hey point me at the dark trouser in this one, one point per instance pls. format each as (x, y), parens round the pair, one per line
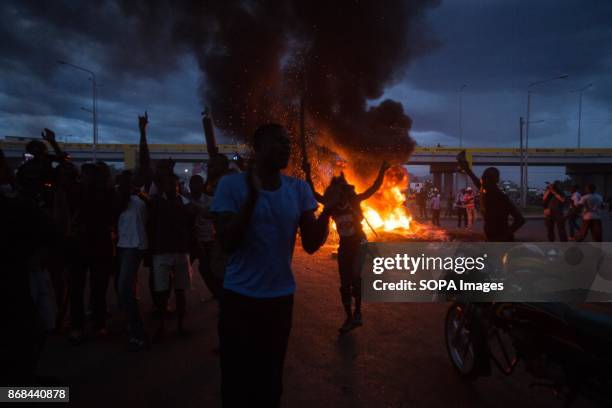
(594, 226)
(423, 210)
(204, 254)
(461, 213)
(350, 279)
(99, 273)
(129, 261)
(435, 217)
(559, 222)
(253, 338)
(572, 223)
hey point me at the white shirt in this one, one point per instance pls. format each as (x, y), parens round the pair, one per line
(592, 202)
(132, 225)
(575, 198)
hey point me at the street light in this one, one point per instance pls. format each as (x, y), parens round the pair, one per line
(94, 103)
(527, 122)
(580, 92)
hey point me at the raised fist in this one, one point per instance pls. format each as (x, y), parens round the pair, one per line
(142, 121)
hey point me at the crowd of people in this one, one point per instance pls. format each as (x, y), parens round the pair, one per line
(582, 212)
(79, 228)
(579, 210)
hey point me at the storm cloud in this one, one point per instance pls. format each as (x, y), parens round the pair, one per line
(143, 61)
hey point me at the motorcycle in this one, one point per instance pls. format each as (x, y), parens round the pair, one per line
(566, 348)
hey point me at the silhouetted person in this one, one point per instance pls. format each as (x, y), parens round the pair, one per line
(469, 204)
(496, 206)
(257, 215)
(26, 231)
(573, 214)
(459, 205)
(170, 227)
(150, 179)
(132, 241)
(592, 203)
(435, 208)
(421, 201)
(93, 249)
(205, 248)
(554, 202)
(348, 217)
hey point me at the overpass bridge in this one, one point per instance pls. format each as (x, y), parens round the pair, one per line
(432, 156)
(582, 164)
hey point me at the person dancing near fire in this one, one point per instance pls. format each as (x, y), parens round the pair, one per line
(347, 215)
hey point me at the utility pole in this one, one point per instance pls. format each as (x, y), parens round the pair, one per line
(522, 163)
(94, 104)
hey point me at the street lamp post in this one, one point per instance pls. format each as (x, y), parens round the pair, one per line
(94, 104)
(580, 93)
(527, 122)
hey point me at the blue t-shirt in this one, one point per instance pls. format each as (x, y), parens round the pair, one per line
(261, 266)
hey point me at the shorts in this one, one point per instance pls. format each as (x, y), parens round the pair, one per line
(174, 264)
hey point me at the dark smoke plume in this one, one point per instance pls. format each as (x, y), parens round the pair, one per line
(258, 58)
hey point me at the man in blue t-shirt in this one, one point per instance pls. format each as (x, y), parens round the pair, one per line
(257, 215)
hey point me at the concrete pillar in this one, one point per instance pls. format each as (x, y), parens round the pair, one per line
(448, 185)
(437, 180)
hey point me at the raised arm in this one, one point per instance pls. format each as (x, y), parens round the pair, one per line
(377, 183)
(314, 230)
(465, 166)
(144, 158)
(49, 136)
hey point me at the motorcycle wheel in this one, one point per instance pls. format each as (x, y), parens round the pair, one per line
(464, 342)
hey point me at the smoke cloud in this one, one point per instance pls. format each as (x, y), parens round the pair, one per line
(259, 58)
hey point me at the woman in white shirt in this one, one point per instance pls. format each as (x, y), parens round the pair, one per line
(131, 243)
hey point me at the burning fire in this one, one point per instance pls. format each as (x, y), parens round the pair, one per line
(386, 216)
(395, 219)
(386, 210)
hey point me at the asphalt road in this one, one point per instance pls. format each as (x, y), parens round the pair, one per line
(397, 359)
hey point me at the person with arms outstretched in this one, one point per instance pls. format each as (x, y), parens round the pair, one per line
(348, 216)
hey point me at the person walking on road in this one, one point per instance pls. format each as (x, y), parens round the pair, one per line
(592, 204)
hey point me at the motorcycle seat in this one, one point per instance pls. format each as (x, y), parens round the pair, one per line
(591, 324)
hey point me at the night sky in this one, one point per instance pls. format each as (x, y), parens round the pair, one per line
(495, 48)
